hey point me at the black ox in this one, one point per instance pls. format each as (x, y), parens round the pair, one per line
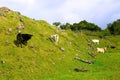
(22, 39)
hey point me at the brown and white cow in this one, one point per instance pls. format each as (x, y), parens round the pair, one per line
(101, 50)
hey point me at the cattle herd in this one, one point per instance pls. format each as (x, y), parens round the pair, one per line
(99, 50)
(23, 38)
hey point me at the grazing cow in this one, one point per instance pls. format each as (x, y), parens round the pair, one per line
(55, 38)
(101, 50)
(112, 47)
(96, 41)
(23, 38)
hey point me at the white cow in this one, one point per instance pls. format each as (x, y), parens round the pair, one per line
(96, 41)
(101, 50)
(55, 37)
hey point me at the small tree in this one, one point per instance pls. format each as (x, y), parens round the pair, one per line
(56, 23)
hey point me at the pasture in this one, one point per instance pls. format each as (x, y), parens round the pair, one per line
(41, 59)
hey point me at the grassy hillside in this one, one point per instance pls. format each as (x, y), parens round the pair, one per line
(41, 59)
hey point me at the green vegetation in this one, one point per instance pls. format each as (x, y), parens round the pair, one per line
(82, 25)
(114, 27)
(41, 59)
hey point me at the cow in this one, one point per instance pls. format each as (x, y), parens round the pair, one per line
(22, 39)
(112, 47)
(55, 38)
(101, 50)
(96, 41)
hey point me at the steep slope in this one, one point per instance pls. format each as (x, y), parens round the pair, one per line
(40, 56)
(41, 59)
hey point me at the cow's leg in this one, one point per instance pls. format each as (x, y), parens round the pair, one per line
(21, 44)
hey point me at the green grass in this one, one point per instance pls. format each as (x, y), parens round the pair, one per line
(46, 61)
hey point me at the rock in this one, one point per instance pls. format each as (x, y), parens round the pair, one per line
(10, 30)
(2, 62)
(7, 42)
(80, 69)
(85, 61)
(5, 9)
(63, 49)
